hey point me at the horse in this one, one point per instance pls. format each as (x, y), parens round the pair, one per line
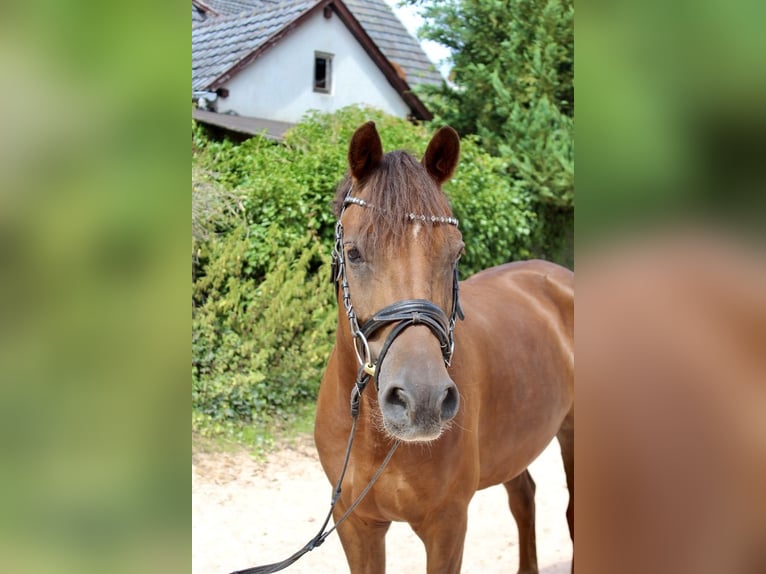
(472, 389)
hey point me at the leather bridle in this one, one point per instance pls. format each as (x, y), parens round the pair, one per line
(402, 314)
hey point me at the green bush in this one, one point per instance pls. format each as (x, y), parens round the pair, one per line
(291, 186)
(263, 313)
(260, 347)
(498, 223)
(512, 84)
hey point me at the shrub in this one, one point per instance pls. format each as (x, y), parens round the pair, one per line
(290, 186)
(260, 347)
(498, 223)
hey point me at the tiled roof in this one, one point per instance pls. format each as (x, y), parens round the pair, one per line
(201, 12)
(390, 35)
(221, 42)
(199, 16)
(232, 7)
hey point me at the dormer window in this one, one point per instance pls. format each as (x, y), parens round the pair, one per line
(322, 72)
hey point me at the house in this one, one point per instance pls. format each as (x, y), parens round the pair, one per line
(265, 63)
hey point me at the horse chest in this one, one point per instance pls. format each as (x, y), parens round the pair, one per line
(401, 494)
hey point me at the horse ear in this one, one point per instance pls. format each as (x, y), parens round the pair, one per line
(442, 154)
(365, 150)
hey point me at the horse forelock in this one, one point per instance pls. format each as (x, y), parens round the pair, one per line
(400, 186)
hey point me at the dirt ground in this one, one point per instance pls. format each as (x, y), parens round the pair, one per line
(247, 513)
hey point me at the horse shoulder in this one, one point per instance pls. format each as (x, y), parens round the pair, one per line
(526, 302)
(541, 281)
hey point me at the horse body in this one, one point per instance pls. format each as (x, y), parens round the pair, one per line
(478, 422)
(518, 364)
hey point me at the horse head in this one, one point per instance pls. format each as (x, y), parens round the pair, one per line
(397, 251)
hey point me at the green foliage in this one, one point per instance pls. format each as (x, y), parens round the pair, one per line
(513, 74)
(286, 190)
(259, 346)
(212, 207)
(263, 313)
(497, 221)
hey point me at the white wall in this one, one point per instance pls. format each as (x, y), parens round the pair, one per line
(279, 84)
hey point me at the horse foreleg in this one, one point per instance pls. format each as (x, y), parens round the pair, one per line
(443, 534)
(565, 437)
(521, 499)
(364, 543)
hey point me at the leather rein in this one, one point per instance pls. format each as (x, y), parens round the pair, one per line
(403, 314)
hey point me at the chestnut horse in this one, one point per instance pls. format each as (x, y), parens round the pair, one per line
(466, 419)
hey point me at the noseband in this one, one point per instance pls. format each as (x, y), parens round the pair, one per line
(402, 314)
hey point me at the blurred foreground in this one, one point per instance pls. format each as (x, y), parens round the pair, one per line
(671, 388)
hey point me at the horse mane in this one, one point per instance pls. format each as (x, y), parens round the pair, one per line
(399, 186)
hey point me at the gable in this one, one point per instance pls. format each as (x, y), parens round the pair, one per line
(223, 46)
(279, 83)
(382, 25)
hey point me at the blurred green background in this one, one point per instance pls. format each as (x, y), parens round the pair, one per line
(94, 309)
(671, 123)
(671, 212)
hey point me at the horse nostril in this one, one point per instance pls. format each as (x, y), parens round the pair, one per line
(450, 403)
(397, 397)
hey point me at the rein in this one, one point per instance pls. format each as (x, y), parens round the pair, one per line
(322, 535)
(403, 314)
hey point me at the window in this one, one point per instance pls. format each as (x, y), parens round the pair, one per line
(322, 72)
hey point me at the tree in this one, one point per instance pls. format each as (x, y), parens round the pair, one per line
(512, 84)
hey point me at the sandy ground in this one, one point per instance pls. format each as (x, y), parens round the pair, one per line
(247, 513)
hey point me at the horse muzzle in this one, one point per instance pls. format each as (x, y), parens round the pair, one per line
(418, 416)
(417, 398)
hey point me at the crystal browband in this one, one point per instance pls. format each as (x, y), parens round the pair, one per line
(411, 216)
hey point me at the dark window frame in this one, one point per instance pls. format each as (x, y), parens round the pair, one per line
(323, 72)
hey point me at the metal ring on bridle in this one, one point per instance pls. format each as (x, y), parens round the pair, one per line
(366, 358)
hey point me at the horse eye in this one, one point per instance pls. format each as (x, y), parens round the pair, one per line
(354, 256)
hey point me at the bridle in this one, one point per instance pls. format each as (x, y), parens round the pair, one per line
(402, 314)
